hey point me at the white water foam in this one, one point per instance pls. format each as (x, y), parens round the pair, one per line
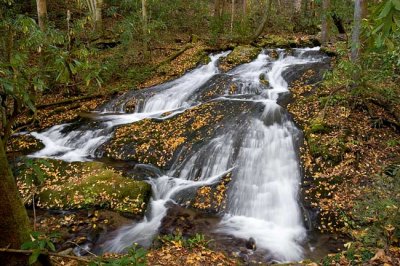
(164, 190)
(81, 144)
(263, 198)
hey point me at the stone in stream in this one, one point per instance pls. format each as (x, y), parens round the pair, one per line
(251, 244)
(239, 55)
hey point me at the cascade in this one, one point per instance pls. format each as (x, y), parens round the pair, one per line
(260, 153)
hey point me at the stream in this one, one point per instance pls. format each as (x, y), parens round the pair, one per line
(259, 149)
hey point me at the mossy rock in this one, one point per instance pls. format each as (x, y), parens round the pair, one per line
(62, 185)
(239, 55)
(278, 41)
(24, 144)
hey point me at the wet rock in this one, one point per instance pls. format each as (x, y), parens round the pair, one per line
(79, 185)
(159, 142)
(251, 244)
(243, 254)
(83, 249)
(263, 79)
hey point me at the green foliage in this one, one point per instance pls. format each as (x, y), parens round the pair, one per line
(136, 257)
(318, 126)
(198, 240)
(386, 23)
(20, 79)
(39, 176)
(377, 211)
(40, 243)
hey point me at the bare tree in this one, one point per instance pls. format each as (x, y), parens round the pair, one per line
(360, 12)
(218, 8)
(145, 26)
(265, 19)
(42, 13)
(297, 6)
(232, 15)
(325, 24)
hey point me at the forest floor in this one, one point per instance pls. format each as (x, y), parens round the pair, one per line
(351, 158)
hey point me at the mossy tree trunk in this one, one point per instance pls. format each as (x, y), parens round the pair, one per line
(14, 222)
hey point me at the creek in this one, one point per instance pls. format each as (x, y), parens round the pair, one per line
(258, 148)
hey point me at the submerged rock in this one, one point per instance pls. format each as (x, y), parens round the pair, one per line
(158, 142)
(251, 244)
(62, 185)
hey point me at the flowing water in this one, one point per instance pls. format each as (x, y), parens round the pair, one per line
(260, 152)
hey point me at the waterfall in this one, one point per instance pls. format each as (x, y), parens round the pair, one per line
(259, 151)
(81, 144)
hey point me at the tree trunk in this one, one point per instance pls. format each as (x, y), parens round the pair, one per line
(244, 8)
(338, 23)
(144, 21)
(98, 20)
(360, 11)
(14, 222)
(218, 8)
(232, 15)
(297, 6)
(265, 19)
(42, 13)
(325, 25)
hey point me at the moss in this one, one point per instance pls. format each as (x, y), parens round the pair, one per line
(331, 149)
(278, 41)
(239, 55)
(62, 185)
(318, 126)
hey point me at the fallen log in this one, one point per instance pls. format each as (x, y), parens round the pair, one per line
(70, 100)
(173, 56)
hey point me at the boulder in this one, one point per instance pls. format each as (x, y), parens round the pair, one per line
(77, 185)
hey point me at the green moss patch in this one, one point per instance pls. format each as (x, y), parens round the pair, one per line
(239, 55)
(277, 41)
(61, 185)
